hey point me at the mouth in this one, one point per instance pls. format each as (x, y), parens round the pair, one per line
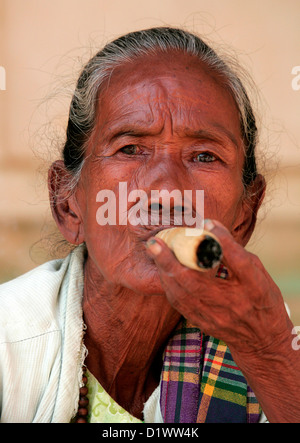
(144, 233)
(154, 217)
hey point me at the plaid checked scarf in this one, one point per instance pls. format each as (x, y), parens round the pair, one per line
(200, 381)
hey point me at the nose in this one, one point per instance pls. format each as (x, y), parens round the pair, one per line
(165, 181)
(165, 207)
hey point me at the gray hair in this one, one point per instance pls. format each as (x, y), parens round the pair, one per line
(135, 44)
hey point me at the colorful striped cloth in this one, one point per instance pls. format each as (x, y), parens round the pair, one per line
(201, 383)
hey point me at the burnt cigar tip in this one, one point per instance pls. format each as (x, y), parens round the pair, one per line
(209, 253)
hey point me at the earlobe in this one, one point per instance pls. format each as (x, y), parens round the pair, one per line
(63, 204)
(250, 206)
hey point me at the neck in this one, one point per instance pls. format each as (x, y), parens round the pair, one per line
(125, 337)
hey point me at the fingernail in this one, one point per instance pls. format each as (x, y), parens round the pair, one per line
(208, 224)
(153, 246)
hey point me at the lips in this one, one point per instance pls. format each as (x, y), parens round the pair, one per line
(143, 233)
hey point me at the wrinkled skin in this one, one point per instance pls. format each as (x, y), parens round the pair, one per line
(166, 122)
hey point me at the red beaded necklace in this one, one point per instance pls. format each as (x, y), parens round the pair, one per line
(83, 402)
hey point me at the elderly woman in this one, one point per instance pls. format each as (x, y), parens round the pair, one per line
(120, 330)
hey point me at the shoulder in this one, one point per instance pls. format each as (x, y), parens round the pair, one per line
(28, 304)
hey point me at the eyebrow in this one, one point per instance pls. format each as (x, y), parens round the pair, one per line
(216, 134)
(130, 132)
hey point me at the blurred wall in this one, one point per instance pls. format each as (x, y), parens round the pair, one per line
(43, 44)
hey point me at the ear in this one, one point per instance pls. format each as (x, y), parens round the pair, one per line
(253, 199)
(64, 206)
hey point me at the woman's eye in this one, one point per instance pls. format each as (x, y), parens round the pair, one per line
(204, 157)
(129, 149)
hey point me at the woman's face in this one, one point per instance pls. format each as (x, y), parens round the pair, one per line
(163, 122)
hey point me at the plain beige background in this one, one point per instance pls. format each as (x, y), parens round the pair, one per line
(43, 44)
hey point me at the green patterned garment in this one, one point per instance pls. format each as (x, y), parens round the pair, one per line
(102, 408)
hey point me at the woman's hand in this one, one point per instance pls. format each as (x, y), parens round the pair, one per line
(246, 310)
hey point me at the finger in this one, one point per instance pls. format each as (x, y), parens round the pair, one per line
(163, 257)
(181, 284)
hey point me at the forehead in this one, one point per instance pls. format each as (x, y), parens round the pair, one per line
(174, 88)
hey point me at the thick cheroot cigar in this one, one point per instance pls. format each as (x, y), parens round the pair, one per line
(195, 248)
